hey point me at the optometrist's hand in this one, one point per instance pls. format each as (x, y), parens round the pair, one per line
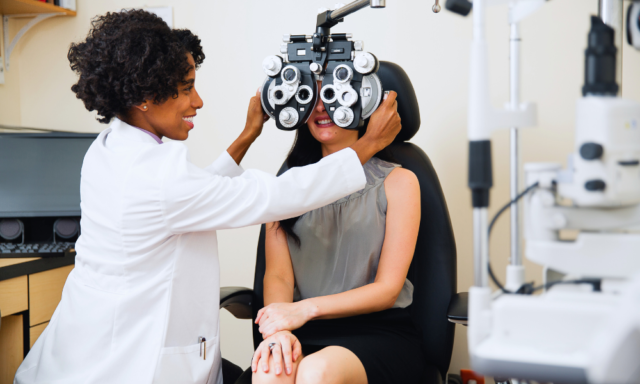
(383, 128)
(252, 129)
(278, 317)
(286, 348)
(255, 118)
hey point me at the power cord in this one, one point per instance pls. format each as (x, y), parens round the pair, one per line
(525, 288)
(528, 288)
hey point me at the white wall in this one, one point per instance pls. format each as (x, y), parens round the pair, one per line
(432, 48)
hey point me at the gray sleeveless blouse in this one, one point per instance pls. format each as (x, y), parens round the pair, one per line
(341, 242)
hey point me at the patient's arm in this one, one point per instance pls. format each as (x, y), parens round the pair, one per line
(279, 279)
(403, 222)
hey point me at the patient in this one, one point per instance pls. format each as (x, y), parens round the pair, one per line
(336, 292)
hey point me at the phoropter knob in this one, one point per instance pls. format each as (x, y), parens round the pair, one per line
(343, 117)
(272, 65)
(288, 117)
(315, 68)
(365, 63)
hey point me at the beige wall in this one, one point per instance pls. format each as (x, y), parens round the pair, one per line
(433, 49)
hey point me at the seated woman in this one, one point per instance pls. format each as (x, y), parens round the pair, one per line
(336, 292)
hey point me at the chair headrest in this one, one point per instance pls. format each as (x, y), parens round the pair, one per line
(394, 78)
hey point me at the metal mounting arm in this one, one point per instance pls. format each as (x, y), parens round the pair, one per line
(329, 19)
(10, 46)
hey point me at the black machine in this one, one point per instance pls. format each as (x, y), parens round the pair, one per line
(40, 192)
(351, 90)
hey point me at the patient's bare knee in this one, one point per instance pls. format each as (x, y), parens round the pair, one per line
(261, 377)
(315, 370)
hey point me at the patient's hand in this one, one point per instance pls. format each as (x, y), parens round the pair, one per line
(286, 348)
(278, 317)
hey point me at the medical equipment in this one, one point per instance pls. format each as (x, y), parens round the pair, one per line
(351, 90)
(586, 330)
(633, 25)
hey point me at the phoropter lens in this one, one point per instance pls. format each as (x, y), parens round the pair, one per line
(342, 74)
(289, 74)
(329, 94)
(304, 94)
(278, 94)
(346, 96)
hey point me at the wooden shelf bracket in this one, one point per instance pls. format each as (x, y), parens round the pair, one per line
(9, 46)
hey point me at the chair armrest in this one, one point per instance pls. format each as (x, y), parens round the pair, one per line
(237, 300)
(458, 311)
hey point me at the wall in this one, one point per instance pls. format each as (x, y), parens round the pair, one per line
(433, 49)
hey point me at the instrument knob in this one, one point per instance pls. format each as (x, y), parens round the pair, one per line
(289, 117)
(284, 48)
(272, 65)
(340, 115)
(269, 64)
(436, 7)
(358, 45)
(591, 151)
(595, 185)
(362, 61)
(315, 68)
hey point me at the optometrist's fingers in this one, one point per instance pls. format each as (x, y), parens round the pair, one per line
(389, 98)
(255, 118)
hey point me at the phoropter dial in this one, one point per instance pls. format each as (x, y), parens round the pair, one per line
(349, 96)
(366, 63)
(304, 95)
(289, 95)
(350, 91)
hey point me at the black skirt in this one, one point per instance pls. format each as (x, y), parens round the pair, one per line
(387, 343)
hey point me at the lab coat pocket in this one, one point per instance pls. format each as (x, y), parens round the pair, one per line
(186, 364)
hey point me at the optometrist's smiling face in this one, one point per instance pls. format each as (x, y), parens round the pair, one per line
(173, 118)
(331, 136)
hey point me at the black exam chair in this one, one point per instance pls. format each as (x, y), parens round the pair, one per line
(433, 269)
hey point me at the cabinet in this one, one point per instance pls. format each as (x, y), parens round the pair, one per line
(27, 303)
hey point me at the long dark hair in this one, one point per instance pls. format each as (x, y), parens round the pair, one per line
(307, 150)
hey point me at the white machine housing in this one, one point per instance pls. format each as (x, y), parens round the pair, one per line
(614, 124)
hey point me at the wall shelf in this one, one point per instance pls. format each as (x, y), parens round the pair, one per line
(16, 7)
(19, 9)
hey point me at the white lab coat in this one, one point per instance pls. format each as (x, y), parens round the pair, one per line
(146, 281)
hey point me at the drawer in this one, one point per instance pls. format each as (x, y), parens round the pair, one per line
(14, 296)
(35, 332)
(11, 347)
(45, 291)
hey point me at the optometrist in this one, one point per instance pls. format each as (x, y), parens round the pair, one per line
(141, 304)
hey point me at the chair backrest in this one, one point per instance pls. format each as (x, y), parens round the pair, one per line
(433, 269)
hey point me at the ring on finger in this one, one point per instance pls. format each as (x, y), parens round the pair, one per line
(271, 345)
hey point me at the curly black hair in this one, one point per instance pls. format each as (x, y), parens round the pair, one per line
(128, 57)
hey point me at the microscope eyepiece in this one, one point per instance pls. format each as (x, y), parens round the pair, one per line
(600, 61)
